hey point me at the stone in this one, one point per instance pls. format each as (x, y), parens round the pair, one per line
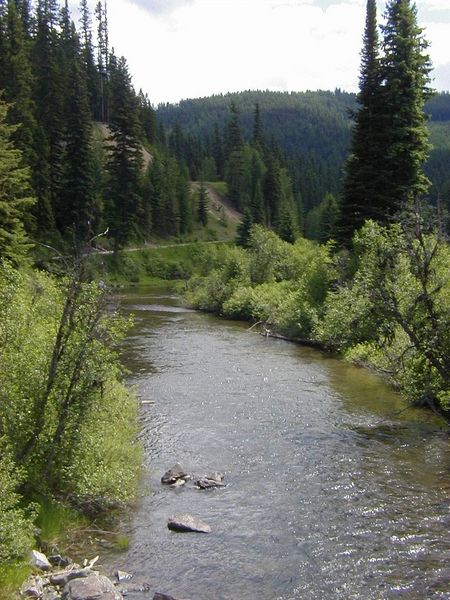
(174, 474)
(205, 483)
(59, 561)
(51, 594)
(93, 587)
(61, 579)
(122, 576)
(185, 523)
(32, 588)
(39, 560)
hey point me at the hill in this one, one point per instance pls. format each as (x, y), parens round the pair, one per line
(312, 129)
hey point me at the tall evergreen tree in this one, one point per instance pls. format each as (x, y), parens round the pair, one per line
(125, 156)
(362, 198)
(202, 205)
(405, 70)
(15, 197)
(17, 82)
(77, 207)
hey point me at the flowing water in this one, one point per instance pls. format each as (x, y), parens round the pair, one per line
(332, 493)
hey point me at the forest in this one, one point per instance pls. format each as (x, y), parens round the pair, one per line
(343, 203)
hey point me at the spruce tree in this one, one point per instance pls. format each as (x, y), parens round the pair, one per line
(77, 208)
(405, 70)
(15, 197)
(362, 198)
(125, 157)
(202, 205)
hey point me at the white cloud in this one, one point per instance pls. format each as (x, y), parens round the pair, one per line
(198, 47)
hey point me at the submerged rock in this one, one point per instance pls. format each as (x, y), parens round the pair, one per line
(185, 523)
(93, 587)
(176, 473)
(39, 560)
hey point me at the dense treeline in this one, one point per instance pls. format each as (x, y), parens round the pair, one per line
(97, 157)
(312, 131)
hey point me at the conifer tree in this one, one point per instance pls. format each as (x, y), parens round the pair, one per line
(125, 157)
(15, 197)
(17, 82)
(77, 208)
(405, 69)
(362, 198)
(202, 206)
(244, 229)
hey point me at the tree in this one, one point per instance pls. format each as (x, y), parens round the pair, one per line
(405, 70)
(361, 194)
(244, 229)
(202, 207)
(15, 197)
(125, 156)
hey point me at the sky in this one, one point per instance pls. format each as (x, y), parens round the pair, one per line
(193, 48)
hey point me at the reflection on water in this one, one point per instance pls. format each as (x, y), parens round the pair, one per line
(331, 491)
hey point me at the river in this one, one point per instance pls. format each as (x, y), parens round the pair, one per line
(332, 493)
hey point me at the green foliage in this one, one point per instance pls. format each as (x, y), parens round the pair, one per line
(272, 281)
(15, 197)
(394, 314)
(65, 416)
(16, 524)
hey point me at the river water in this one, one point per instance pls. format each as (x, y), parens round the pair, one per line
(331, 492)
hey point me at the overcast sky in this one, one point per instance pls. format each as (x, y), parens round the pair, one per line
(191, 48)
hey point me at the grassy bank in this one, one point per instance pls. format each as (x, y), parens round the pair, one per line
(148, 265)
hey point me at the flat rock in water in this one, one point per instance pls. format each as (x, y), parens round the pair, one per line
(93, 587)
(205, 483)
(174, 474)
(122, 576)
(184, 523)
(39, 560)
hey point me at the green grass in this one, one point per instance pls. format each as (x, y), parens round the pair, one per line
(148, 265)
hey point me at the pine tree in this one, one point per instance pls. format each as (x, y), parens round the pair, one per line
(15, 198)
(405, 70)
(202, 205)
(362, 198)
(17, 82)
(244, 229)
(125, 157)
(77, 209)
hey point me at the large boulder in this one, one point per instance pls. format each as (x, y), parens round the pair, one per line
(39, 560)
(93, 587)
(176, 473)
(184, 523)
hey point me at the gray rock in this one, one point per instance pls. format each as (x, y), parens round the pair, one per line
(61, 579)
(93, 587)
(39, 560)
(205, 483)
(184, 523)
(174, 474)
(59, 561)
(32, 588)
(122, 576)
(51, 594)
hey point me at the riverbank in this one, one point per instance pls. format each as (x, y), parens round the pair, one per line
(385, 306)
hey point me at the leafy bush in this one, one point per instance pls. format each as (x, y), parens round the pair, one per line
(65, 416)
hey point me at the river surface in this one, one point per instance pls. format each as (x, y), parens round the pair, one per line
(331, 492)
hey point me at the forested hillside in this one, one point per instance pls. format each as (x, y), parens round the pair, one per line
(311, 129)
(83, 131)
